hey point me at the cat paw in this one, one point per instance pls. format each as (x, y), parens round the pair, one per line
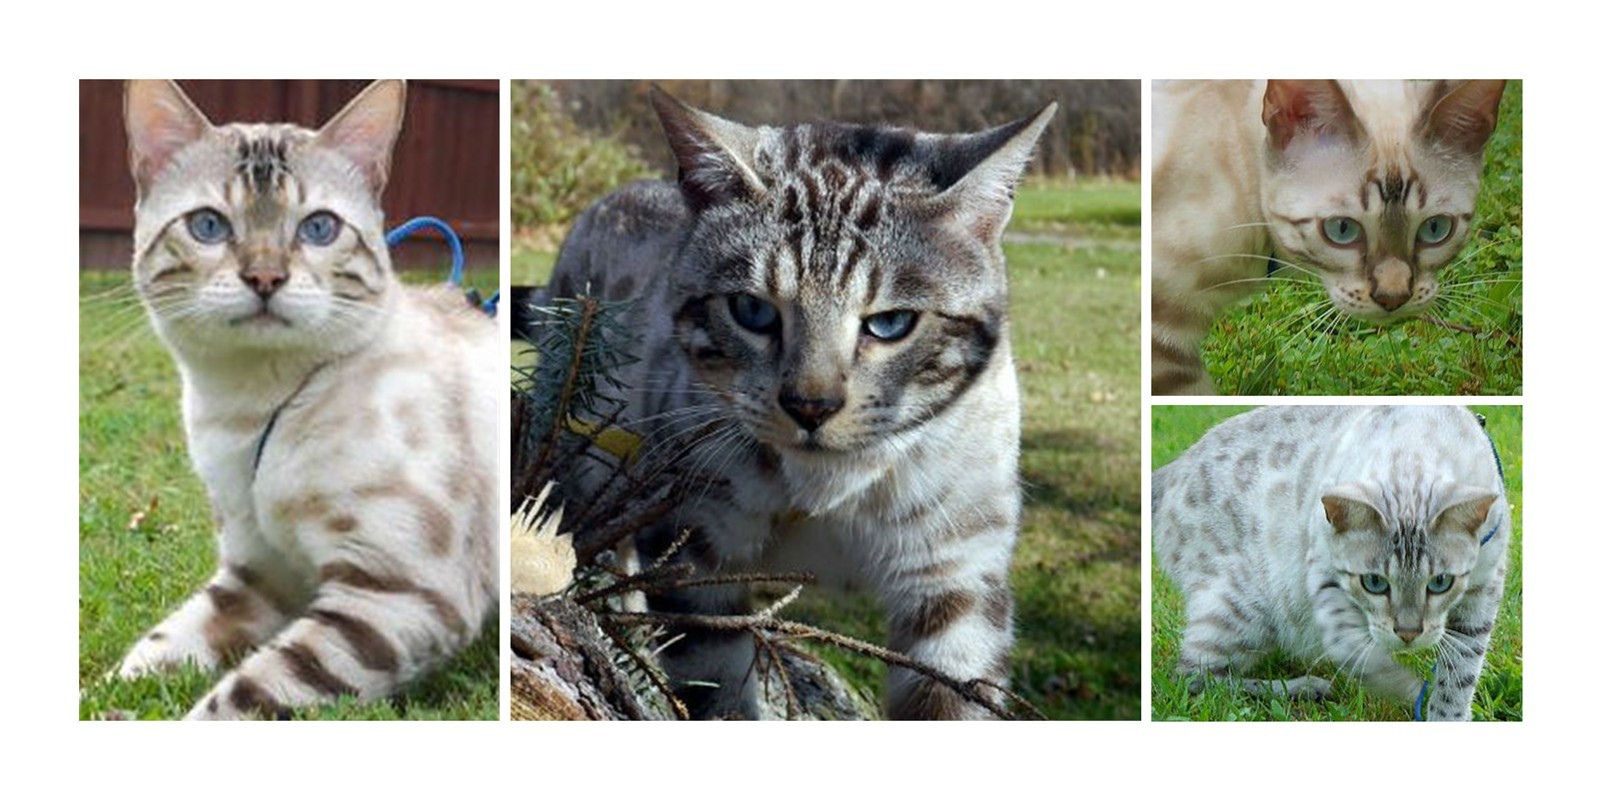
(1307, 687)
(157, 653)
(236, 697)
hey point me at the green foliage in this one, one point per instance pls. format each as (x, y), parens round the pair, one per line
(145, 536)
(557, 170)
(1499, 697)
(1288, 341)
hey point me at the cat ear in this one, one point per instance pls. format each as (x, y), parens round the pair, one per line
(1465, 509)
(1293, 109)
(714, 155)
(981, 170)
(1464, 118)
(365, 130)
(1348, 510)
(161, 120)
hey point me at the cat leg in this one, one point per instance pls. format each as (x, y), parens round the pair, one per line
(1175, 370)
(233, 613)
(365, 633)
(1176, 333)
(1221, 636)
(1462, 649)
(712, 672)
(1347, 643)
(960, 625)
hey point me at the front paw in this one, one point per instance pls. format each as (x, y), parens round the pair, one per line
(157, 653)
(236, 697)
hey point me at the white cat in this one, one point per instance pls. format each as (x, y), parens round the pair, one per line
(344, 425)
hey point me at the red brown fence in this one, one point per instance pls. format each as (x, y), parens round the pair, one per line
(446, 164)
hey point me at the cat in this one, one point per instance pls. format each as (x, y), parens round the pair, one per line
(832, 298)
(1338, 533)
(1370, 185)
(343, 424)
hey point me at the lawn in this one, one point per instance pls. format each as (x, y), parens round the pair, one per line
(1499, 694)
(1073, 251)
(145, 537)
(1285, 341)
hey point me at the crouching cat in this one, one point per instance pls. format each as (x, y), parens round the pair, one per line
(1339, 533)
(832, 299)
(343, 424)
(1369, 185)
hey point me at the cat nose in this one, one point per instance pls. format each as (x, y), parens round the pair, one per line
(1390, 300)
(1407, 635)
(810, 412)
(264, 280)
(1391, 283)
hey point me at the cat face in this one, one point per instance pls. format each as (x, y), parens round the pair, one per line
(1372, 185)
(251, 236)
(842, 285)
(1403, 567)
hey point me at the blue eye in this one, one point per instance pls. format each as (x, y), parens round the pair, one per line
(753, 313)
(1436, 229)
(319, 229)
(1341, 231)
(208, 226)
(1441, 584)
(890, 326)
(1375, 583)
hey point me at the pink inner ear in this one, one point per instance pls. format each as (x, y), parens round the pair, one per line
(160, 123)
(365, 131)
(1293, 107)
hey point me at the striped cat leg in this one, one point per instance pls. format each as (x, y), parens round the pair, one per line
(1462, 650)
(365, 634)
(1348, 644)
(233, 613)
(960, 625)
(1221, 636)
(1176, 333)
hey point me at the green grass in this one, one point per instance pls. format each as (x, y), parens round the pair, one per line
(145, 537)
(1073, 253)
(1499, 694)
(1281, 342)
(530, 265)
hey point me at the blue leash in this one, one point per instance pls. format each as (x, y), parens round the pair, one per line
(1416, 710)
(458, 256)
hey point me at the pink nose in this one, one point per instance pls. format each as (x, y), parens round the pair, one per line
(263, 281)
(1406, 635)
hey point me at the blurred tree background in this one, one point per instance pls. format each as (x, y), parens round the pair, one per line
(573, 141)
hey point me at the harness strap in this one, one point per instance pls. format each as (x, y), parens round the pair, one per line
(272, 421)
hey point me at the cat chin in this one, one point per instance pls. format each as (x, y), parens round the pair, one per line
(1378, 316)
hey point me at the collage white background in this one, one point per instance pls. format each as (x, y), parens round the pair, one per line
(50, 47)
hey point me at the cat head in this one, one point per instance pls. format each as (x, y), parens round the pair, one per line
(842, 284)
(1406, 562)
(1372, 184)
(260, 236)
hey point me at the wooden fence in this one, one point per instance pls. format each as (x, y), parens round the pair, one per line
(446, 164)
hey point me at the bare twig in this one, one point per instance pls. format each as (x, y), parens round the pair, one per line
(969, 690)
(649, 668)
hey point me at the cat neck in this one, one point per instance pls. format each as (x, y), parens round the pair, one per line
(259, 374)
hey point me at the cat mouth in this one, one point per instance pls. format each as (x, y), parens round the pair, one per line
(261, 318)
